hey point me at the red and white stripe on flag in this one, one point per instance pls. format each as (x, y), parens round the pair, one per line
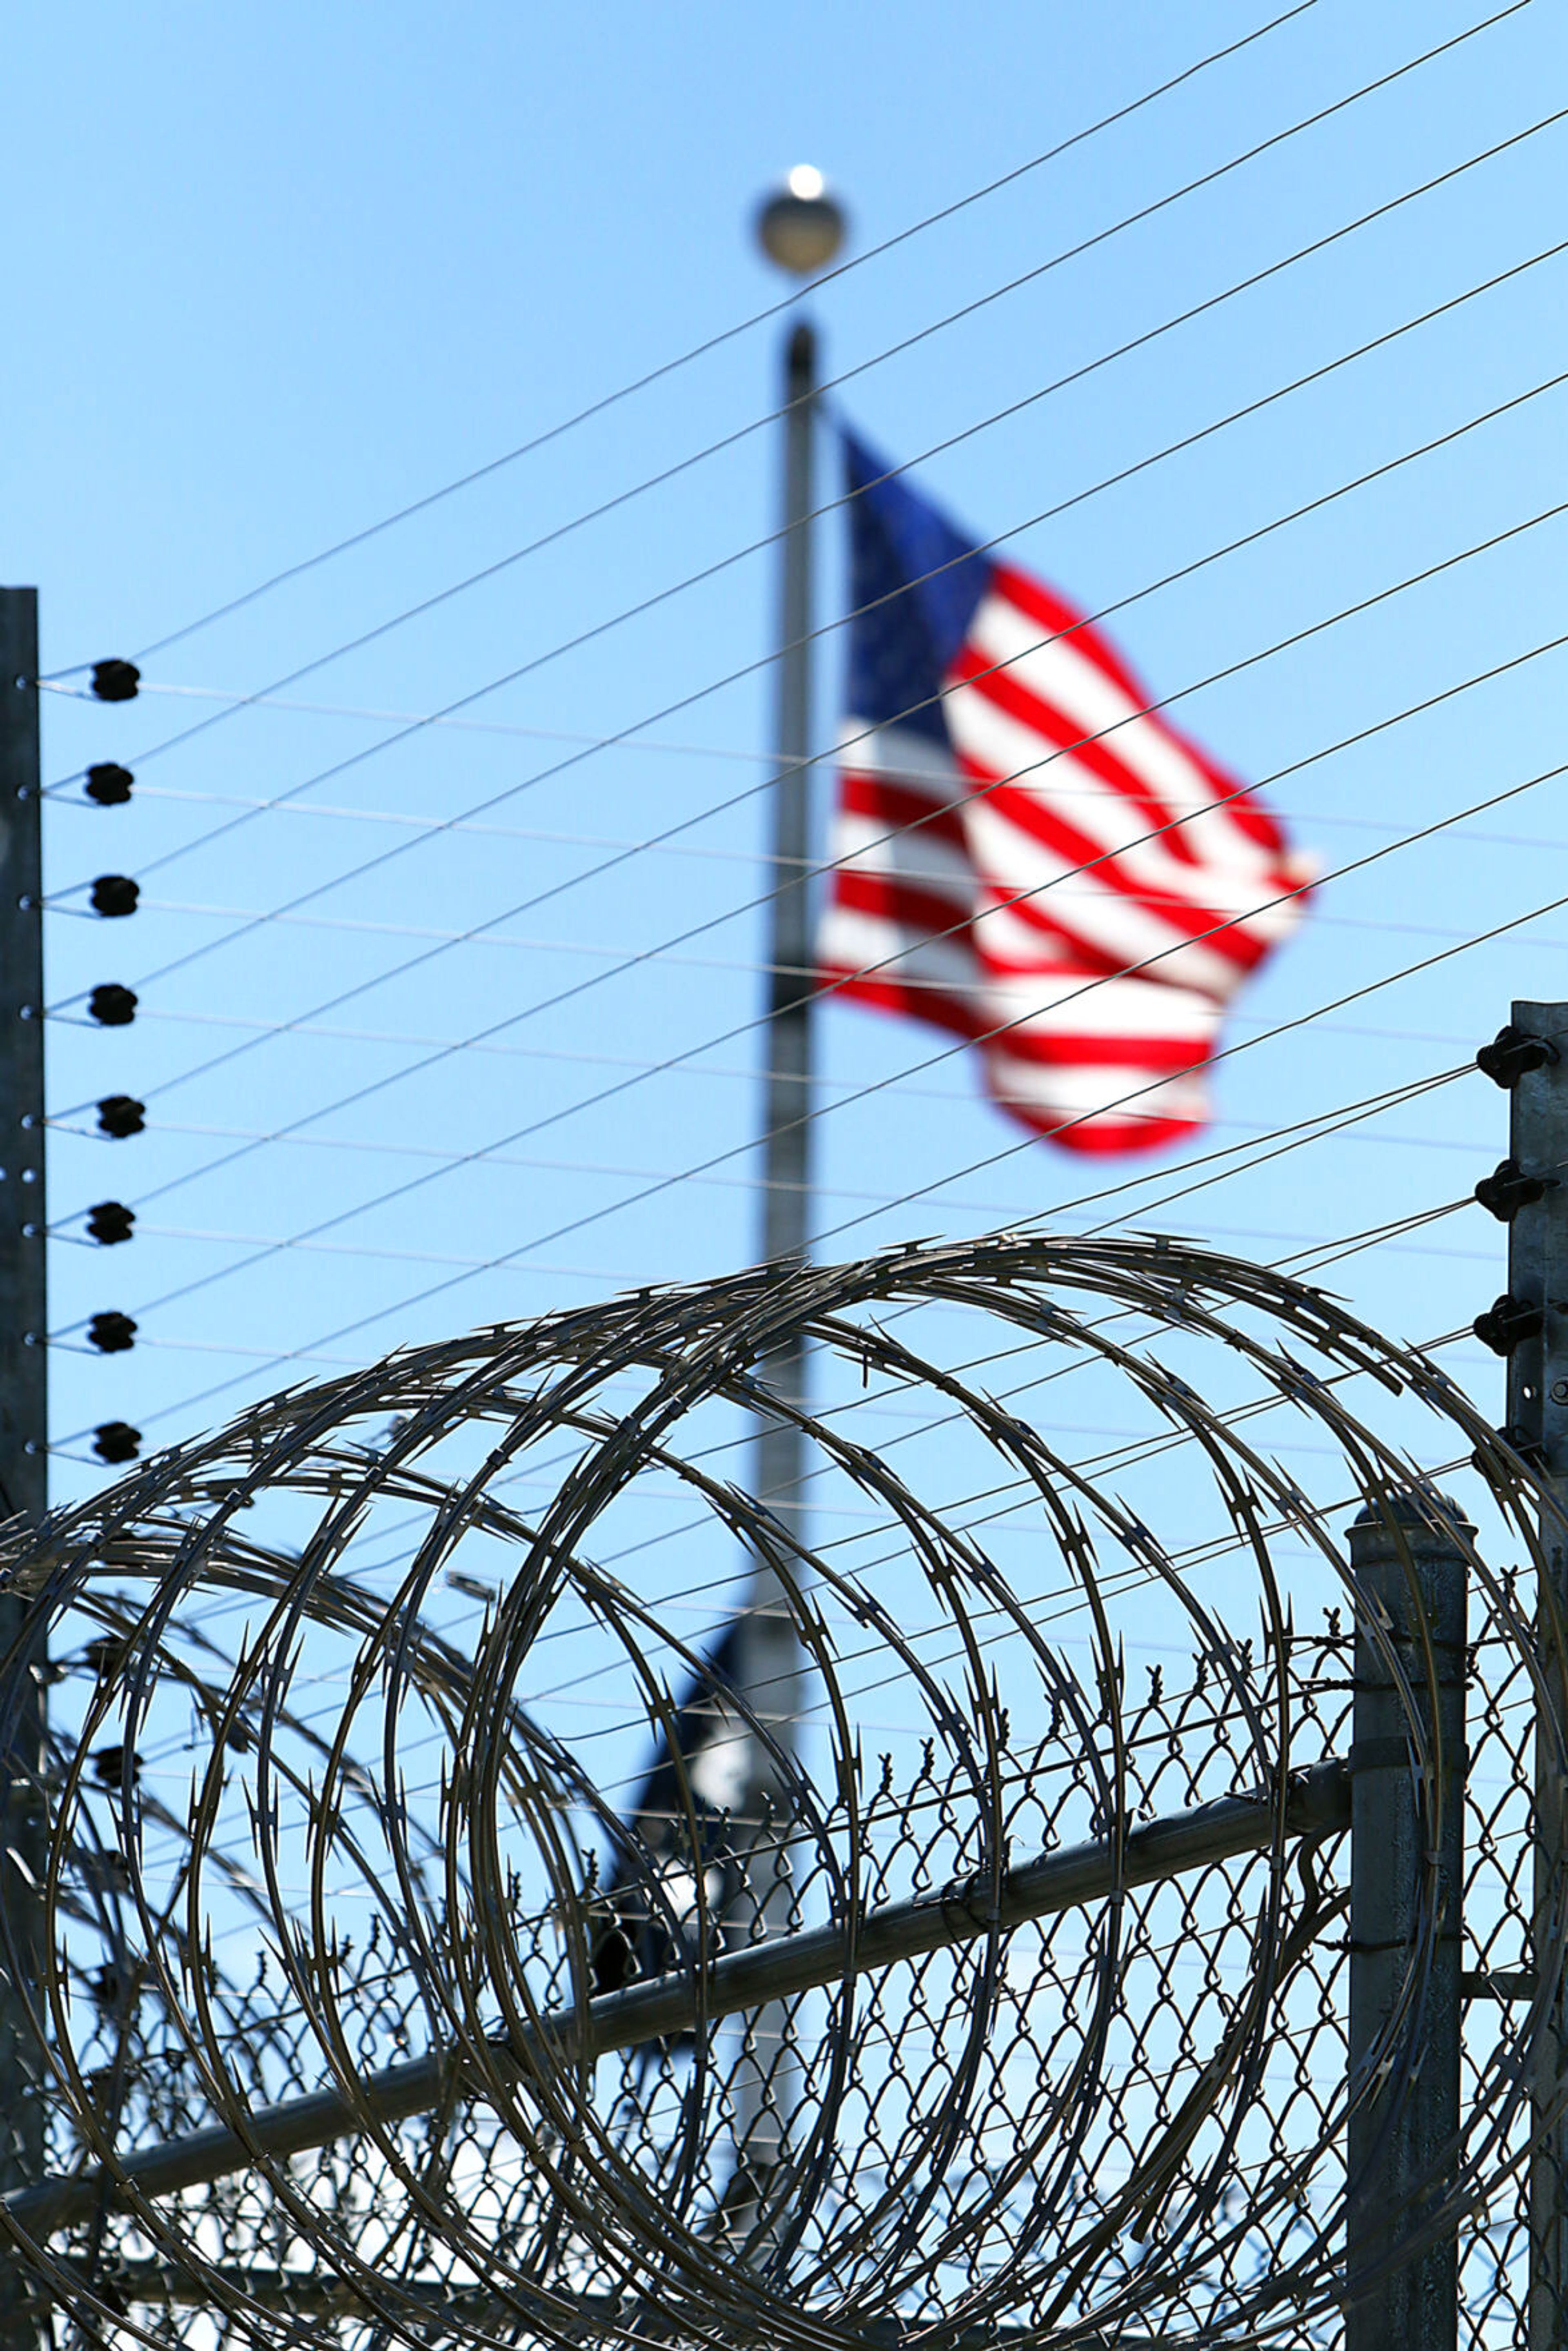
(1034, 858)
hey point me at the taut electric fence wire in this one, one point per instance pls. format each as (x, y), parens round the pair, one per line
(336, 1334)
(646, 604)
(927, 1425)
(317, 1091)
(949, 1052)
(665, 841)
(605, 952)
(190, 1403)
(758, 317)
(342, 812)
(1292, 639)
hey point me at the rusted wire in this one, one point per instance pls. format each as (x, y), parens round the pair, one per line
(347, 1720)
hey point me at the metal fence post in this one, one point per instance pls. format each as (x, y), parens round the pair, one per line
(24, 1417)
(1528, 1325)
(1403, 2137)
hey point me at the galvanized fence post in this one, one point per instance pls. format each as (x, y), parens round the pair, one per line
(1407, 1853)
(23, 1410)
(1528, 1325)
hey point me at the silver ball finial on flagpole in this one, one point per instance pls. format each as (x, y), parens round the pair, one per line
(801, 226)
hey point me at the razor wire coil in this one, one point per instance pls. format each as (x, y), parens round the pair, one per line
(354, 1922)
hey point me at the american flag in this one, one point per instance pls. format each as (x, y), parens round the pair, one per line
(1026, 852)
(703, 1770)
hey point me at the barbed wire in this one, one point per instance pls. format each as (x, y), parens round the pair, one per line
(430, 2102)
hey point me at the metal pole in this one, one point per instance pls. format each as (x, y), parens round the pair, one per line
(24, 1402)
(786, 1148)
(1407, 1851)
(1529, 1190)
(771, 1660)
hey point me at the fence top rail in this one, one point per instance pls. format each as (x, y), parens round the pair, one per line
(1316, 1805)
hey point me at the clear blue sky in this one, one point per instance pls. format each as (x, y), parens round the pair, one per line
(279, 271)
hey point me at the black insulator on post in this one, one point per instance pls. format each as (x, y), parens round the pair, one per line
(115, 894)
(1507, 1321)
(109, 784)
(119, 1115)
(111, 1333)
(115, 681)
(1511, 1053)
(115, 1441)
(1508, 1189)
(110, 1221)
(111, 1006)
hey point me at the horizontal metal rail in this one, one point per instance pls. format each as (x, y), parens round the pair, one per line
(306, 2294)
(1317, 1805)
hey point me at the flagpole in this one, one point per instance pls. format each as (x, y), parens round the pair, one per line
(800, 228)
(787, 1107)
